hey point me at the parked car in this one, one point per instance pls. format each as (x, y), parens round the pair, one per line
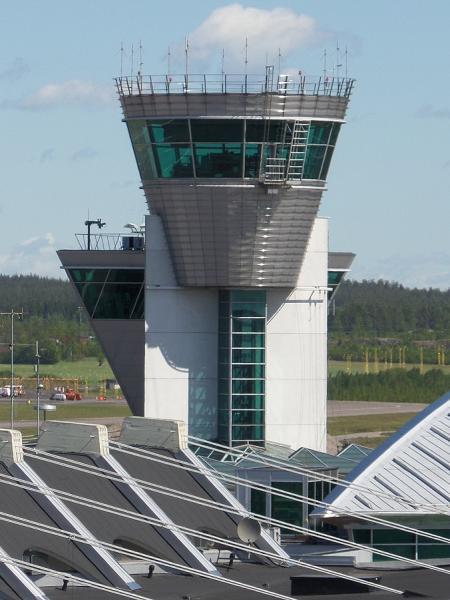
(58, 397)
(18, 391)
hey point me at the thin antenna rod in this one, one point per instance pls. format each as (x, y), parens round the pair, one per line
(186, 50)
(141, 63)
(325, 64)
(246, 56)
(346, 62)
(121, 59)
(223, 62)
(132, 59)
(168, 60)
(338, 59)
(279, 61)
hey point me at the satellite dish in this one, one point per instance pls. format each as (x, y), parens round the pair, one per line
(248, 530)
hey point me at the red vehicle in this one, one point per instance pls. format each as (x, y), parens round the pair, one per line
(72, 394)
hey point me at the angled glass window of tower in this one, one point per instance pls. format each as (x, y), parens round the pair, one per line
(242, 326)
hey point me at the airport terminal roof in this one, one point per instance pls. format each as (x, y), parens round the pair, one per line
(414, 463)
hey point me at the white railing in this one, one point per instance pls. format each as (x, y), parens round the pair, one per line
(233, 84)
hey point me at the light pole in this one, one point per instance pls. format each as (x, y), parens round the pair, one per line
(12, 313)
(38, 388)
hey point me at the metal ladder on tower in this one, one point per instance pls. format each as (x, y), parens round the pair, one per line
(297, 151)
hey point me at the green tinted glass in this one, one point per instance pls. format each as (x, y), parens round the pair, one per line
(248, 371)
(391, 536)
(88, 275)
(248, 355)
(248, 417)
(218, 160)
(166, 131)
(248, 402)
(248, 386)
(334, 134)
(247, 432)
(248, 325)
(139, 308)
(145, 161)
(433, 551)
(285, 509)
(258, 502)
(117, 301)
(313, 162)
(90, 293)
(326, 163)
(334, 277)
(362, 536)
(126, 276)
(173, 161)
(252, 160)
(256, 340)
(319, 133)
(249, 309)
(217, 130)
(248, 296)
(138, 132)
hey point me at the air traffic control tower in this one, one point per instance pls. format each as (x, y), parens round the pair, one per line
(236, 258)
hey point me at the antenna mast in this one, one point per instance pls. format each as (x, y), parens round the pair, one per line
(168, 60)
(279, 61)
(132, 59)
(141, 63)
(346, 62)
(325, 64)
(246, 56)
(223, 62)
(121, 59)
(186, 51)
(338, 59)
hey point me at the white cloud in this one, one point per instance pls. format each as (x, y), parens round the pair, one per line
(421, 271)
(84, 154)
(35, 255)
(267, 31)
(72, 92)
(427, 111)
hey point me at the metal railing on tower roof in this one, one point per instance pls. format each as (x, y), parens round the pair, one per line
(282, 85)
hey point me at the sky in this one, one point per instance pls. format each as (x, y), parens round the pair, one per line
(65, 153)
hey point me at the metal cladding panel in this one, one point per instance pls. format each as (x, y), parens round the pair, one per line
(235, 236)
(17, 539)
(104, 525)
(232, 105)
(413, 463)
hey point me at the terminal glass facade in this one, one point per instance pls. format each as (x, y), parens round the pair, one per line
(226, 148)
(111, 293)
(242, 327)
(403, 543)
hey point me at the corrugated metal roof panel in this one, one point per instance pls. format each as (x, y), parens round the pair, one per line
(414, 464)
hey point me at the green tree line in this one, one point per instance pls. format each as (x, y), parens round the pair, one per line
(52, 316)
(396, 385)
(382, 308)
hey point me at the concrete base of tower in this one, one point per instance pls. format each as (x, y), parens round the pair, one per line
(184, 367)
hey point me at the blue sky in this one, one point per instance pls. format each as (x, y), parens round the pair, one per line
(64, 150)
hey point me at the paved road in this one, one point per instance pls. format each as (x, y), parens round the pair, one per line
(346, 408)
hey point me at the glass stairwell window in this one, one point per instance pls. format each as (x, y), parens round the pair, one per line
(242, 326)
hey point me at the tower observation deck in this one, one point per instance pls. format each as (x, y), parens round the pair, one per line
(235, 167)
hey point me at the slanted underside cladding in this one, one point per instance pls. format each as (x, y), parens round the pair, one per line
(232, 105)
(235, 236)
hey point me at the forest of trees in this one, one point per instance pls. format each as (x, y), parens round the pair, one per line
(389, 323)
(397, 385)
(366, 317)
(51, 315)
